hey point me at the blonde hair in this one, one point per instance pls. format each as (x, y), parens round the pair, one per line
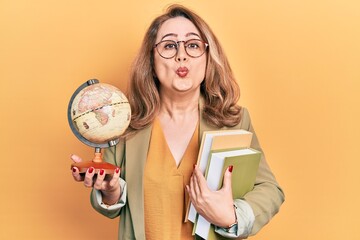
(219, 88)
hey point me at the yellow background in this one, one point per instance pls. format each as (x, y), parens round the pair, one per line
(297, 63)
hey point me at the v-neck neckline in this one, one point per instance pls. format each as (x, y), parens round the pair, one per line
(194, 137)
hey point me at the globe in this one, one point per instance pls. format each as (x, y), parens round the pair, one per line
(98, 114)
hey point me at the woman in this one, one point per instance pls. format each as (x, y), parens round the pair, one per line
(181, 85)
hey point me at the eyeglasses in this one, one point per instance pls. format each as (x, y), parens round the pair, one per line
(193, 47)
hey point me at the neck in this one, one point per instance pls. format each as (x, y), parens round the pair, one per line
(179, 107)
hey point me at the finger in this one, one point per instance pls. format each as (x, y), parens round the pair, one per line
(200, 180)
(195, 186)
(191, 190)
(99, 180)
(187, 188)
(89, 176)
(115, 179)
(75, 158)
(227, 178)
(76, 174)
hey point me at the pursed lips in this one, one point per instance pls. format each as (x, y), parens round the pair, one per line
(182, 72)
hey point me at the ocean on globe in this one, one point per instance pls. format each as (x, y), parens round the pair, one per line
(100, 113)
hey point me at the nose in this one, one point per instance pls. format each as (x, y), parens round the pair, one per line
(181, 54)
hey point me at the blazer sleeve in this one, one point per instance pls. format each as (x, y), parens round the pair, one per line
(113, 155)
(267, 196)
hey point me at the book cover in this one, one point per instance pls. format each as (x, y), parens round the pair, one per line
(245, 164)
(213, 140)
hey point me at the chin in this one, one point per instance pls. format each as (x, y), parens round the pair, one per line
(183, 88)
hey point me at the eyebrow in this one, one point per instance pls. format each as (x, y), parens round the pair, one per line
(192, 33)
(175, 35)
(169, 35)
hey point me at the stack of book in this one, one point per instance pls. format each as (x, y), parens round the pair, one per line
(219, 150)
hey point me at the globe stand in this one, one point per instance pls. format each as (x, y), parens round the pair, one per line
(97, 163)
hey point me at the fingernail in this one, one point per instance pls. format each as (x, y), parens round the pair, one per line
(74, 169)
(230, 168)
(101, 171)
(91, 170)
(117, 170)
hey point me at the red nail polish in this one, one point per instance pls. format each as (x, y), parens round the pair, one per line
(74, 169)
(101, 171)
(91, 170)
(117, 170)
(231, 168)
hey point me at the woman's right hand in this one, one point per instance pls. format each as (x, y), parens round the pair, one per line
(107, 184)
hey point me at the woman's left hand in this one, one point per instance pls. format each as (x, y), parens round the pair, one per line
(215, 206)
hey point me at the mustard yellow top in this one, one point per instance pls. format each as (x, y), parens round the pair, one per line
(164, 188)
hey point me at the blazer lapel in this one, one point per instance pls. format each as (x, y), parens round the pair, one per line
(136, 154)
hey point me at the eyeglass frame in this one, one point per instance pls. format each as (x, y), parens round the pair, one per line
(178, 45)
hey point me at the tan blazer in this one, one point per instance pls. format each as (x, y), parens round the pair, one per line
(131, 155)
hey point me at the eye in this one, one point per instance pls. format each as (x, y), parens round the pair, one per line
(193, 44)
(169, 45)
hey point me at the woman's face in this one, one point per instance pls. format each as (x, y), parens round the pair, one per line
(180, 73)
